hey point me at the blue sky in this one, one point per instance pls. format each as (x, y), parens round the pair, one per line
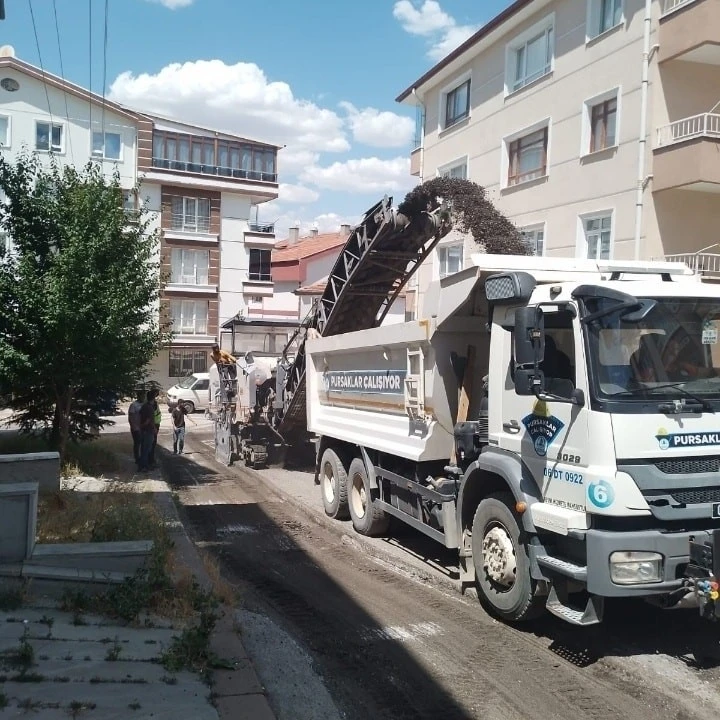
(318, 76)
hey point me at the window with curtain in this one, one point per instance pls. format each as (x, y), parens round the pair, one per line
(189, 267)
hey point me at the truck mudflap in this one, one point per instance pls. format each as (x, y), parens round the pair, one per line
(703, 572)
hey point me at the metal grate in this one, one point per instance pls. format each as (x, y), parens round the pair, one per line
(695, 496)
(688, 466)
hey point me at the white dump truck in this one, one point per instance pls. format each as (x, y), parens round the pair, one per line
(555, 420)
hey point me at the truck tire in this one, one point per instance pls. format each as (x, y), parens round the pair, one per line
(333, 485)
(367, 518)
(502, 567)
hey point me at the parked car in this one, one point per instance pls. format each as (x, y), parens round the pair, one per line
(192, 391)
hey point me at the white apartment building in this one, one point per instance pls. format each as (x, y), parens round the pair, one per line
(202, 187)
(594, 125)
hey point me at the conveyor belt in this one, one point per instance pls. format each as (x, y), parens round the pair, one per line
(380, 256)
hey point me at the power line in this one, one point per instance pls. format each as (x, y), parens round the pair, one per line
(62, 75)
(90, 62)
(42, 72)
(104, 82)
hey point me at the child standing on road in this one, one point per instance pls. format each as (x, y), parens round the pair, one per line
(178, 418)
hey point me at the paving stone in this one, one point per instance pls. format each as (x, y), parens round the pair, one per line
(244, 707)
(112, 700)
(242, 680)
(60, 649)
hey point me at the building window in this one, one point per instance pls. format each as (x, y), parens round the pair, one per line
(192, 153)
(603, 125)
(457, 104)
(458, 170)
(190, 214)
(451, 259)
(49, 137)
(603, 15)
(598, 232)
(187, 362)
(527, 157)
(530, 56)
(259, 264)
(106, 145)
(129, 200)
(4, 131)
(419, 126)
(535, 238)
(189, 317)
(189, 267)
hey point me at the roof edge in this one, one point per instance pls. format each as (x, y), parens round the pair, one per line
(485, 30)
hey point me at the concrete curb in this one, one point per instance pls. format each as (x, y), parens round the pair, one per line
(237, 692)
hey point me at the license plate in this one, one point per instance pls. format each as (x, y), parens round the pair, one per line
(716, 510)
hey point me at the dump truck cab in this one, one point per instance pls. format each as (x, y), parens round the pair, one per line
(603, 394)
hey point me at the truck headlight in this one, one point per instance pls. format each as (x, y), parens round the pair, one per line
(636, 568)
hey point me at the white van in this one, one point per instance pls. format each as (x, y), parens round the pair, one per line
(192, 391)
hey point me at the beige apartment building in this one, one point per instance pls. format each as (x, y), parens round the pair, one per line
(593, 124)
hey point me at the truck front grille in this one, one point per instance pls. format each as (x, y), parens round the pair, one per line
(689, 466)
(695, 496)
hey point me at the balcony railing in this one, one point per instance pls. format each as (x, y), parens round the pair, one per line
(215, 170)
(260, 228)
(707, 264)
(703, 125)
(260, 277)
(189, 224)
(670, 5)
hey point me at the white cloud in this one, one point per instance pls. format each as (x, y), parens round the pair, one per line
(363, 175)
(238, 98)
(429, 20)
(172, 4)
(292, 162)
(305, 220)
(379, 128)
(297, 194)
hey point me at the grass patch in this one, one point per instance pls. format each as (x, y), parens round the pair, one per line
(12, 599)
(21, 658)
(67, 516)
(95, 458)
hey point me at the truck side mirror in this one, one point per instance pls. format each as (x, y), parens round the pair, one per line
(528, 381)
(529, 336)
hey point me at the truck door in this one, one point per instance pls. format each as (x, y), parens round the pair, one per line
(551, 437)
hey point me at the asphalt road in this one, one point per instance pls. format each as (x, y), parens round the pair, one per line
(387, 645)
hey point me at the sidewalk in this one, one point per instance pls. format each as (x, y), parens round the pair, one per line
(56, 664)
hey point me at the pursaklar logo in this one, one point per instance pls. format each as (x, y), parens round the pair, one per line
(542, 427)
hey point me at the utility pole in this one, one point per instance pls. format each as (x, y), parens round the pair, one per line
(2, 9)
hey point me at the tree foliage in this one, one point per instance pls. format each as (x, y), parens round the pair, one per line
(472, 213)
(79, 295)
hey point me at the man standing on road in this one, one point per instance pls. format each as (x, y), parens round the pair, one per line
(134, 422)
(178, 418)
(157, 419)
(147, 432)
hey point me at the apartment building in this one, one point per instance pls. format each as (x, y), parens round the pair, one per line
(592, 124)
(203, 189)
(207, 187)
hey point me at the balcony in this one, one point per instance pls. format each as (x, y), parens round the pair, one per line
(215, 170)
(687, 154)
(688, 31)
(416, 162)
(266, 229)
(706, 264)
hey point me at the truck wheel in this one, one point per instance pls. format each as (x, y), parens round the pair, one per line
(502, 567)
(333, 483)
(189, 406)
(367, 518)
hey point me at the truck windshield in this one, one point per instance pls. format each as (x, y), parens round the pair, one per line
(187, 382)
(672, 353)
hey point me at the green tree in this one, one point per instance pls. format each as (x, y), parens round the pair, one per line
(79, 295)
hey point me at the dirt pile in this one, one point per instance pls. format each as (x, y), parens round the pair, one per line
(471, 212)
